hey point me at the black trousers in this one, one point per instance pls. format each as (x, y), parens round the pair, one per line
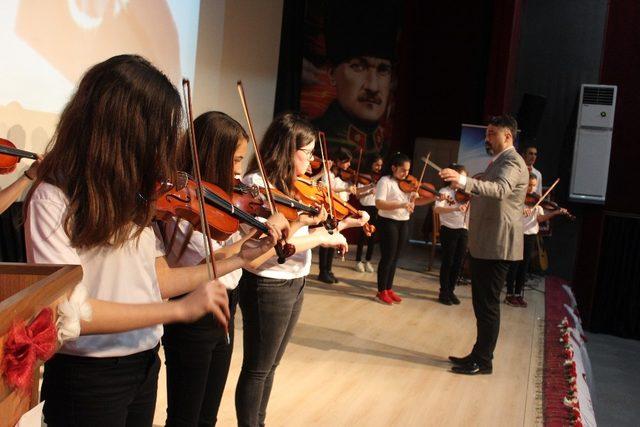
(325, 261)
(454, 246)
(518, 271)
(370, 241)
(393, 235)
(101, 391)
(487, 280)
(270, 311)
(197, 359)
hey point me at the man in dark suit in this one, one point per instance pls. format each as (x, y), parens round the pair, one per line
(495, 236)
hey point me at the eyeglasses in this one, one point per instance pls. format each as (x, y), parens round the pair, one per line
(309, 153)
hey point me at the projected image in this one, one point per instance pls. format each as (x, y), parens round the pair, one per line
(47, 46)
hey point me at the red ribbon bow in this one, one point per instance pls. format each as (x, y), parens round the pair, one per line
(25, 344)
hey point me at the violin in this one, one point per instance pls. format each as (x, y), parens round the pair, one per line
(425, 190)
(531, 199)
(364, 179)
(312, 193)
(247, 198)
(10, 156)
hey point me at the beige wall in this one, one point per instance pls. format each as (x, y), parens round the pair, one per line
(238, 40)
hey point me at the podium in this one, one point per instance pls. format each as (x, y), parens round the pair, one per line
(25, 289)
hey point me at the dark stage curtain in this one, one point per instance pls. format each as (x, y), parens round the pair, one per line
(12, 235)
(616, 306)
(290, 60)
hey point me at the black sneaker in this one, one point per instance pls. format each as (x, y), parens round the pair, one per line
(454, 299)
(444, 299)
(325, 277)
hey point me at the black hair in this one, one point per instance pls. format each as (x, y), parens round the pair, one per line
(396, 159)
(505, 121)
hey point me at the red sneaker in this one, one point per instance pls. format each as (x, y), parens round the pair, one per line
(521, 301)
(394, 297)
(511, 300)
(384, 298)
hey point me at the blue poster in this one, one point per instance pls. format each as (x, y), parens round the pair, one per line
(472, 153)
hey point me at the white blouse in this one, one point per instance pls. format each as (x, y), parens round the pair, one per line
(125, 274)
(298, 265)
(389, 190)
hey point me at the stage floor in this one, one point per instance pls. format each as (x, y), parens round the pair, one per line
(355, 362)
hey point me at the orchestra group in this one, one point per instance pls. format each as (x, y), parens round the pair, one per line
(104, 196)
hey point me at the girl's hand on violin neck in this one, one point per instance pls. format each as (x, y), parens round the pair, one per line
(528, 211)
(333, 240)
(353, 190)
(32, 172)
(209, 297)
(280, 226)
(309, 220)
(350, 222)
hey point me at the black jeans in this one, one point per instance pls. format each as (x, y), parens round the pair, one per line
(270, 311)
(487, 280)
(518, 270)
(101, 391)
(393, 235)
(197, 359)
(369, 240)
(325, 259)
(454, 246)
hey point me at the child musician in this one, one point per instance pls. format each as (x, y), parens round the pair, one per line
(454, 225)
(372, 166)
(394, 210)
(518, 270)
(271, 294)
(198, 354)
(343, 189)
(92, 205)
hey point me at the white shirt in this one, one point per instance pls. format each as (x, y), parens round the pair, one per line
(125, 274)
(340, 187)
(530, 223)
(455, 219)
(389, 190)
(369, 199)
(297, 265)
(194, 251)
(538, 175)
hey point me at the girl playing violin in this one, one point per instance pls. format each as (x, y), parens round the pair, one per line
(518, 270)
(454, 226)
(394, 210)
(372, 166)
(92, 204)
(341, 160)
(271, 294)
(197, 354)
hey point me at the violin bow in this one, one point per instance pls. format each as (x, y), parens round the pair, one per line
(288, 249)
(208, 247)
(546, 193)
(358, 168)
(323, 149)
(424, 169)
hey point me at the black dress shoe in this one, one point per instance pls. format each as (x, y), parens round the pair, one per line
(454, 299)
(333, 278)
(325, 277)
(462, 360)
(472, 368)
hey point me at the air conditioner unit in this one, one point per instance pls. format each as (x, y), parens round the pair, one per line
(591, 153)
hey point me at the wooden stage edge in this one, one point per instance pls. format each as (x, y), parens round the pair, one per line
(355, 362)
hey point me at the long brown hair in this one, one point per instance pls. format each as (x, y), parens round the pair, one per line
(217, 136)
(286, 134)
(116, 138)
